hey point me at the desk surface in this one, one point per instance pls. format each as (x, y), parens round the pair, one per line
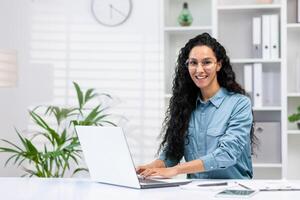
(65, 189)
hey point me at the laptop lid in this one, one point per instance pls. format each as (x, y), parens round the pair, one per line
(107, 155)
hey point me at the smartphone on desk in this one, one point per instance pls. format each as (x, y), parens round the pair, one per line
(236, 193)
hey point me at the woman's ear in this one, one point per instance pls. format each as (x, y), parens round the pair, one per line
(219, 66)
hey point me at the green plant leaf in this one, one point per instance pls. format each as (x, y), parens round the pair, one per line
(11, 157)
(89, 95)
(79, 170)
(79, 95)
(12, 144)
(92, 115)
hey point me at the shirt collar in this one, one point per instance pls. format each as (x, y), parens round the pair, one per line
(216, 100)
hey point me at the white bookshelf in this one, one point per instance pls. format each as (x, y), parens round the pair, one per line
(189, 28)
(293, 26)
(255, 60)
(248, 7)
(267, 108)
(222, 19)
(294, 94)
(293, 132)
(293, 88)
(267, 165)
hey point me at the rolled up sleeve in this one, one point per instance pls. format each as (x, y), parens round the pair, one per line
(235, 139)
(168, 162)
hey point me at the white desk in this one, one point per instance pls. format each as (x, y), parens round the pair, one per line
(73, 189)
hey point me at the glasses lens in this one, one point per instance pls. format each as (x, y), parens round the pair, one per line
(193, 63)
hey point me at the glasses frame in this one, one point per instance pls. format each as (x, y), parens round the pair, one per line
(201, 63)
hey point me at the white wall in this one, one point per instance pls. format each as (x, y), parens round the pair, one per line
(38, 80)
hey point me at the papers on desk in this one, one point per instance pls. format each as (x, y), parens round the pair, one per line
(272, 186)
(262, 186)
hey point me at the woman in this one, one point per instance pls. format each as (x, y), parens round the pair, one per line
(209, 119)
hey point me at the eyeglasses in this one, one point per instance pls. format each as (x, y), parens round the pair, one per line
(194, 63)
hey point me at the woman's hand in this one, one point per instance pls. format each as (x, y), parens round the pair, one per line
(154, 164)
(161, 172)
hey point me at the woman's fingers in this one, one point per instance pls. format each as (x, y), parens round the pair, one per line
(148, 172)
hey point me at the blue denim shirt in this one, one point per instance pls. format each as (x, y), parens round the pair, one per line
(219, 135)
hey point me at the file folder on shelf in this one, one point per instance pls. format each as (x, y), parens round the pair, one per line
(298, 11)
(274, 36)
(256, 37)
(258, 92)
(248, 80)
(266, 54)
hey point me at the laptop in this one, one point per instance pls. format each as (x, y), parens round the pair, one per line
(109, 160)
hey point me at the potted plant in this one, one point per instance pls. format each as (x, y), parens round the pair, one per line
(295, 117)
(61, 148)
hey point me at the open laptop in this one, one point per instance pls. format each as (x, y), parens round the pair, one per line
(109, 160)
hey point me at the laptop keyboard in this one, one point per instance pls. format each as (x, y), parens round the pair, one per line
(142, 180)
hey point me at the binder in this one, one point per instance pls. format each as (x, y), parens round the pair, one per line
(274, 36)
(256, 37)
(266, 54)
(248, 80)
(258, 91)
(298, 11)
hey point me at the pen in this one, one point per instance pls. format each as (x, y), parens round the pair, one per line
(244, 186)
(212, 184)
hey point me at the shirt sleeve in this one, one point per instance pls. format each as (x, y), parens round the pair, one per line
(235, 139)
(168, 162)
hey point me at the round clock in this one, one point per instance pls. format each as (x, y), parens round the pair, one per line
(111, 12)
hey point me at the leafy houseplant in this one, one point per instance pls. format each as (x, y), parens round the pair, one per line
(295, 117)
(62, 147)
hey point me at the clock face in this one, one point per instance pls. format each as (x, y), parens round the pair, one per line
(111, 12)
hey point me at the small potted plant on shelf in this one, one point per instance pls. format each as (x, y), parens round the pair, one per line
(59, 151)
(295, 117)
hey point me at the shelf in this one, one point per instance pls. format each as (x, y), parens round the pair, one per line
(267, 165)
(188, 28)
(293, 132)
(255, 60)
(248, 7)
(294, 94)
(267, 108)
(293, 26)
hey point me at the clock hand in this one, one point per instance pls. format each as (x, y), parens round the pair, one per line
(117, 10)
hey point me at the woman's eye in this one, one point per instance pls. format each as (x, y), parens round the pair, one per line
(193, 63)
(206, 63)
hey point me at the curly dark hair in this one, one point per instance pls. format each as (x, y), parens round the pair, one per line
(185, 93)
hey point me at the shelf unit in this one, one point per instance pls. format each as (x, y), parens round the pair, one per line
(221, 19)
(293, 88)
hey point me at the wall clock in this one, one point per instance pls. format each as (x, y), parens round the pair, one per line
(111, 12)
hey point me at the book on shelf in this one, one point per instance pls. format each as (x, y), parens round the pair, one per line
(256, 37)
(257, 89)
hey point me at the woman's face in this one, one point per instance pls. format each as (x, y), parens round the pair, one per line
(203, 66)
